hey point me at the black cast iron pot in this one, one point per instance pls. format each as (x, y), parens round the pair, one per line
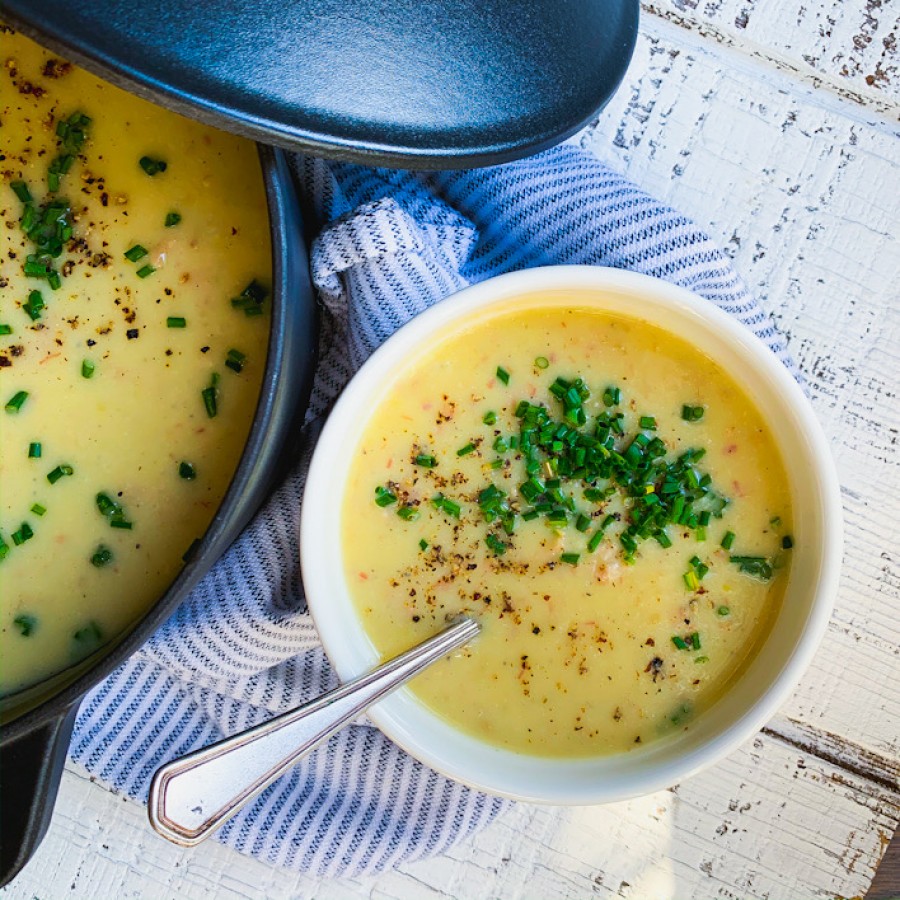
(35, 729)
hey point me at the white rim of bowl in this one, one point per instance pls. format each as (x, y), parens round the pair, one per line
(343, 425)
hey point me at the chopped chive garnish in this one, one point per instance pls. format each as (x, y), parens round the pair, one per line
(502, 374)
(113, 511)
(34, 305)
(133, 254)
(408, 513)
(692, 413)
(756, 566)
(695, 640)
(612, 396)
(144, 271)
(152, 166)
(787, 542)
(728, 540)
(465, 451)
(34, 450)
(251, 299)
(426, 460)
(26, 624)
(187, 471)
(679, 642)
(570, 558)
(87, 368)
(24, 533)
(582, 522)
(103, 556)
(541, 362)
(55, 474)
(172, 218)
(14, 404)
(37, 509)
(496, 545)
(210, 396)
(176, 322)
(384, 497)
(701, 659)
(691, 581)
(89, 638)
(5, 329)
(20, 189)
(423, 545)
(775, 521)
(489, 418)
(4, 548)
(723, 611)
(235, 360)
(440, 502)
(648, 422)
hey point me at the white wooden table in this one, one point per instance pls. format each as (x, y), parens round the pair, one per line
(774, 122)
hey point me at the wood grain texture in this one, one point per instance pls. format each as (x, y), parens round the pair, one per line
(775, 124)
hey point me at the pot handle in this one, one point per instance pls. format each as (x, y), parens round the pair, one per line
(30, 771)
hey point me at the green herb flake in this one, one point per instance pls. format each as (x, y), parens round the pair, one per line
(20, 189)
(152, 166)
(5, 329)
(384, 497)
(101, 557)
(16, 402)
(33, 305)
(502, 374)
(176, 322)
(87, 368)
(34, 450)
(145, 271)
(38, 510)
(235, 360)
(172, 219)
(59, 472)
(27, 624)
(692, 413)
(133, 254)
(570, 559)
(187, 471)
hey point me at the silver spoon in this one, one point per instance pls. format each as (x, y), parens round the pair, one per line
(192, 796)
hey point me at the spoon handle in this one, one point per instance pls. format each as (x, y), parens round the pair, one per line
(192, 796)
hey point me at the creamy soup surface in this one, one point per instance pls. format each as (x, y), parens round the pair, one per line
(128, 376)
(612, 613)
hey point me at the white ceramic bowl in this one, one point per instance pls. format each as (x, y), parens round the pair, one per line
(768, 679)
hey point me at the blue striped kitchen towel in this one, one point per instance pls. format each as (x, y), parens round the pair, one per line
(242, 647)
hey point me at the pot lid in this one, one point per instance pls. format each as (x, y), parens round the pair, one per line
(408, 83)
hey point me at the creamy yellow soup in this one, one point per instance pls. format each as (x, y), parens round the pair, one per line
(612, 614)
(128, 377)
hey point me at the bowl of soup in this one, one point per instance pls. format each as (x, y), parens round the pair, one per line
(627, 490)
